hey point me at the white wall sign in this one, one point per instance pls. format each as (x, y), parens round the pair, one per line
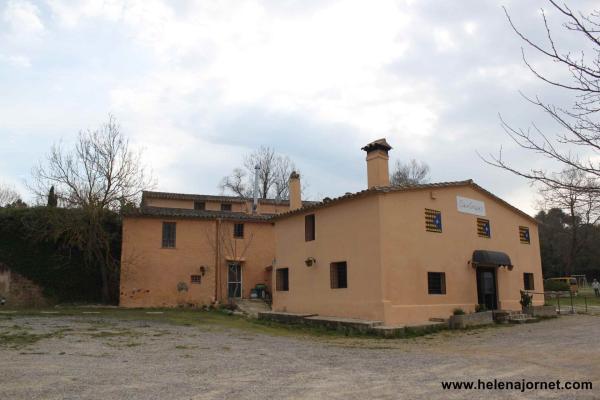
(470, 206)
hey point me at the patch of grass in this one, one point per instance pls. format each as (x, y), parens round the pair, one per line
(20, 339)
(120, 333)
(185, 347)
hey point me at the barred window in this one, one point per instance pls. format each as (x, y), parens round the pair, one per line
(433, 220)
(196, 278)
(282, 283)
(168, 234)
(528, 281)
(238, 231)
(436, 282)
(225, 207)
(339, 275)
(524, 234)
(199, 205)
(483, 228)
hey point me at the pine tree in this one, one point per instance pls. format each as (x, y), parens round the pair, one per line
(52, 199)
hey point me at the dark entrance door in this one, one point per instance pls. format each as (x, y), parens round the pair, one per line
(486, 288)
(234, 280)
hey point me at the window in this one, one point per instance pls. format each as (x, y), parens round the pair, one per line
(238, 231)
(436, 282)
(199, 205)
(483, 228)
(528, 281)
(168, 234)
(433, 220)
(309, 227)
(524, 234)
(339, 275)
(196, 278)
(225, 207)
(282, 283)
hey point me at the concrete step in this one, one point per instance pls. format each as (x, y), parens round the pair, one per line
(252, 307)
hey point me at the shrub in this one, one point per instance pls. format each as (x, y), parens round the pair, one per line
(458, 311)
(36, 243)
(480, 308)
(556, 286)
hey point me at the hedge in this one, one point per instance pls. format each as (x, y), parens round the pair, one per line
(33, 244)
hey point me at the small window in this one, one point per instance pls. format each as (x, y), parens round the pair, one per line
(282, 283)
(339, 275)
(238, 231)
(483, 228)
(433, 220)
(168, 234)
(196, 278)
(309, 227)
(524, 234)
(199, 205)
(436, 282)
(528, 281)
(225, 206)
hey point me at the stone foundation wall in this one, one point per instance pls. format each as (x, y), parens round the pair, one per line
(19, 291)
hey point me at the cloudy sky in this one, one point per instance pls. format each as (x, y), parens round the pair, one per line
(197, 84)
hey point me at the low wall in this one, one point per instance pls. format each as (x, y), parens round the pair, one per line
(18, 291)
(473, 319)
(541, 311)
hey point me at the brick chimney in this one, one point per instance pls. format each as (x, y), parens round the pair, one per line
(378, 173)
(295, 191)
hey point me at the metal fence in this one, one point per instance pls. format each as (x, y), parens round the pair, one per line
(568, 302)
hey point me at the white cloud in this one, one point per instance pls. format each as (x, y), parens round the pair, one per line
(23, 18)
(419, 72)
(16, 60)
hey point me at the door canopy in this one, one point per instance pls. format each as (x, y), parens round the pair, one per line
(488, 258)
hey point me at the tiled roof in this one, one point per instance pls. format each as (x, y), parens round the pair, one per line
(307, 205)
(207, 197)
(166, 212)
(392, 189)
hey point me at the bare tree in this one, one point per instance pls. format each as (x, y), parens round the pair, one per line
(411, 173)
(8, 195)
(99, 175)
(577, 146)
(226, 246)
(100, 172)
(581, 206)
(273, 175)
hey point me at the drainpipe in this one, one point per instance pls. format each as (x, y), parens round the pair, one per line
(217, 258)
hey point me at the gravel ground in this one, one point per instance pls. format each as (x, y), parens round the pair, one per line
(94, 357)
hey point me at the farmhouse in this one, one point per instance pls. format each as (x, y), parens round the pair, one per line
(397, 254)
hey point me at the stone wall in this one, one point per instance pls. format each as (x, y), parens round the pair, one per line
(19, 291)
(472, 319)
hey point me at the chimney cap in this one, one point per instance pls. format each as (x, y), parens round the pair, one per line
(379, 144)
(294, 175)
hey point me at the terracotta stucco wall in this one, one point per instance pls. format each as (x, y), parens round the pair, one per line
(347, 232)
(409, 252)
(150, 274)
(256, 252)
(389, 230)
